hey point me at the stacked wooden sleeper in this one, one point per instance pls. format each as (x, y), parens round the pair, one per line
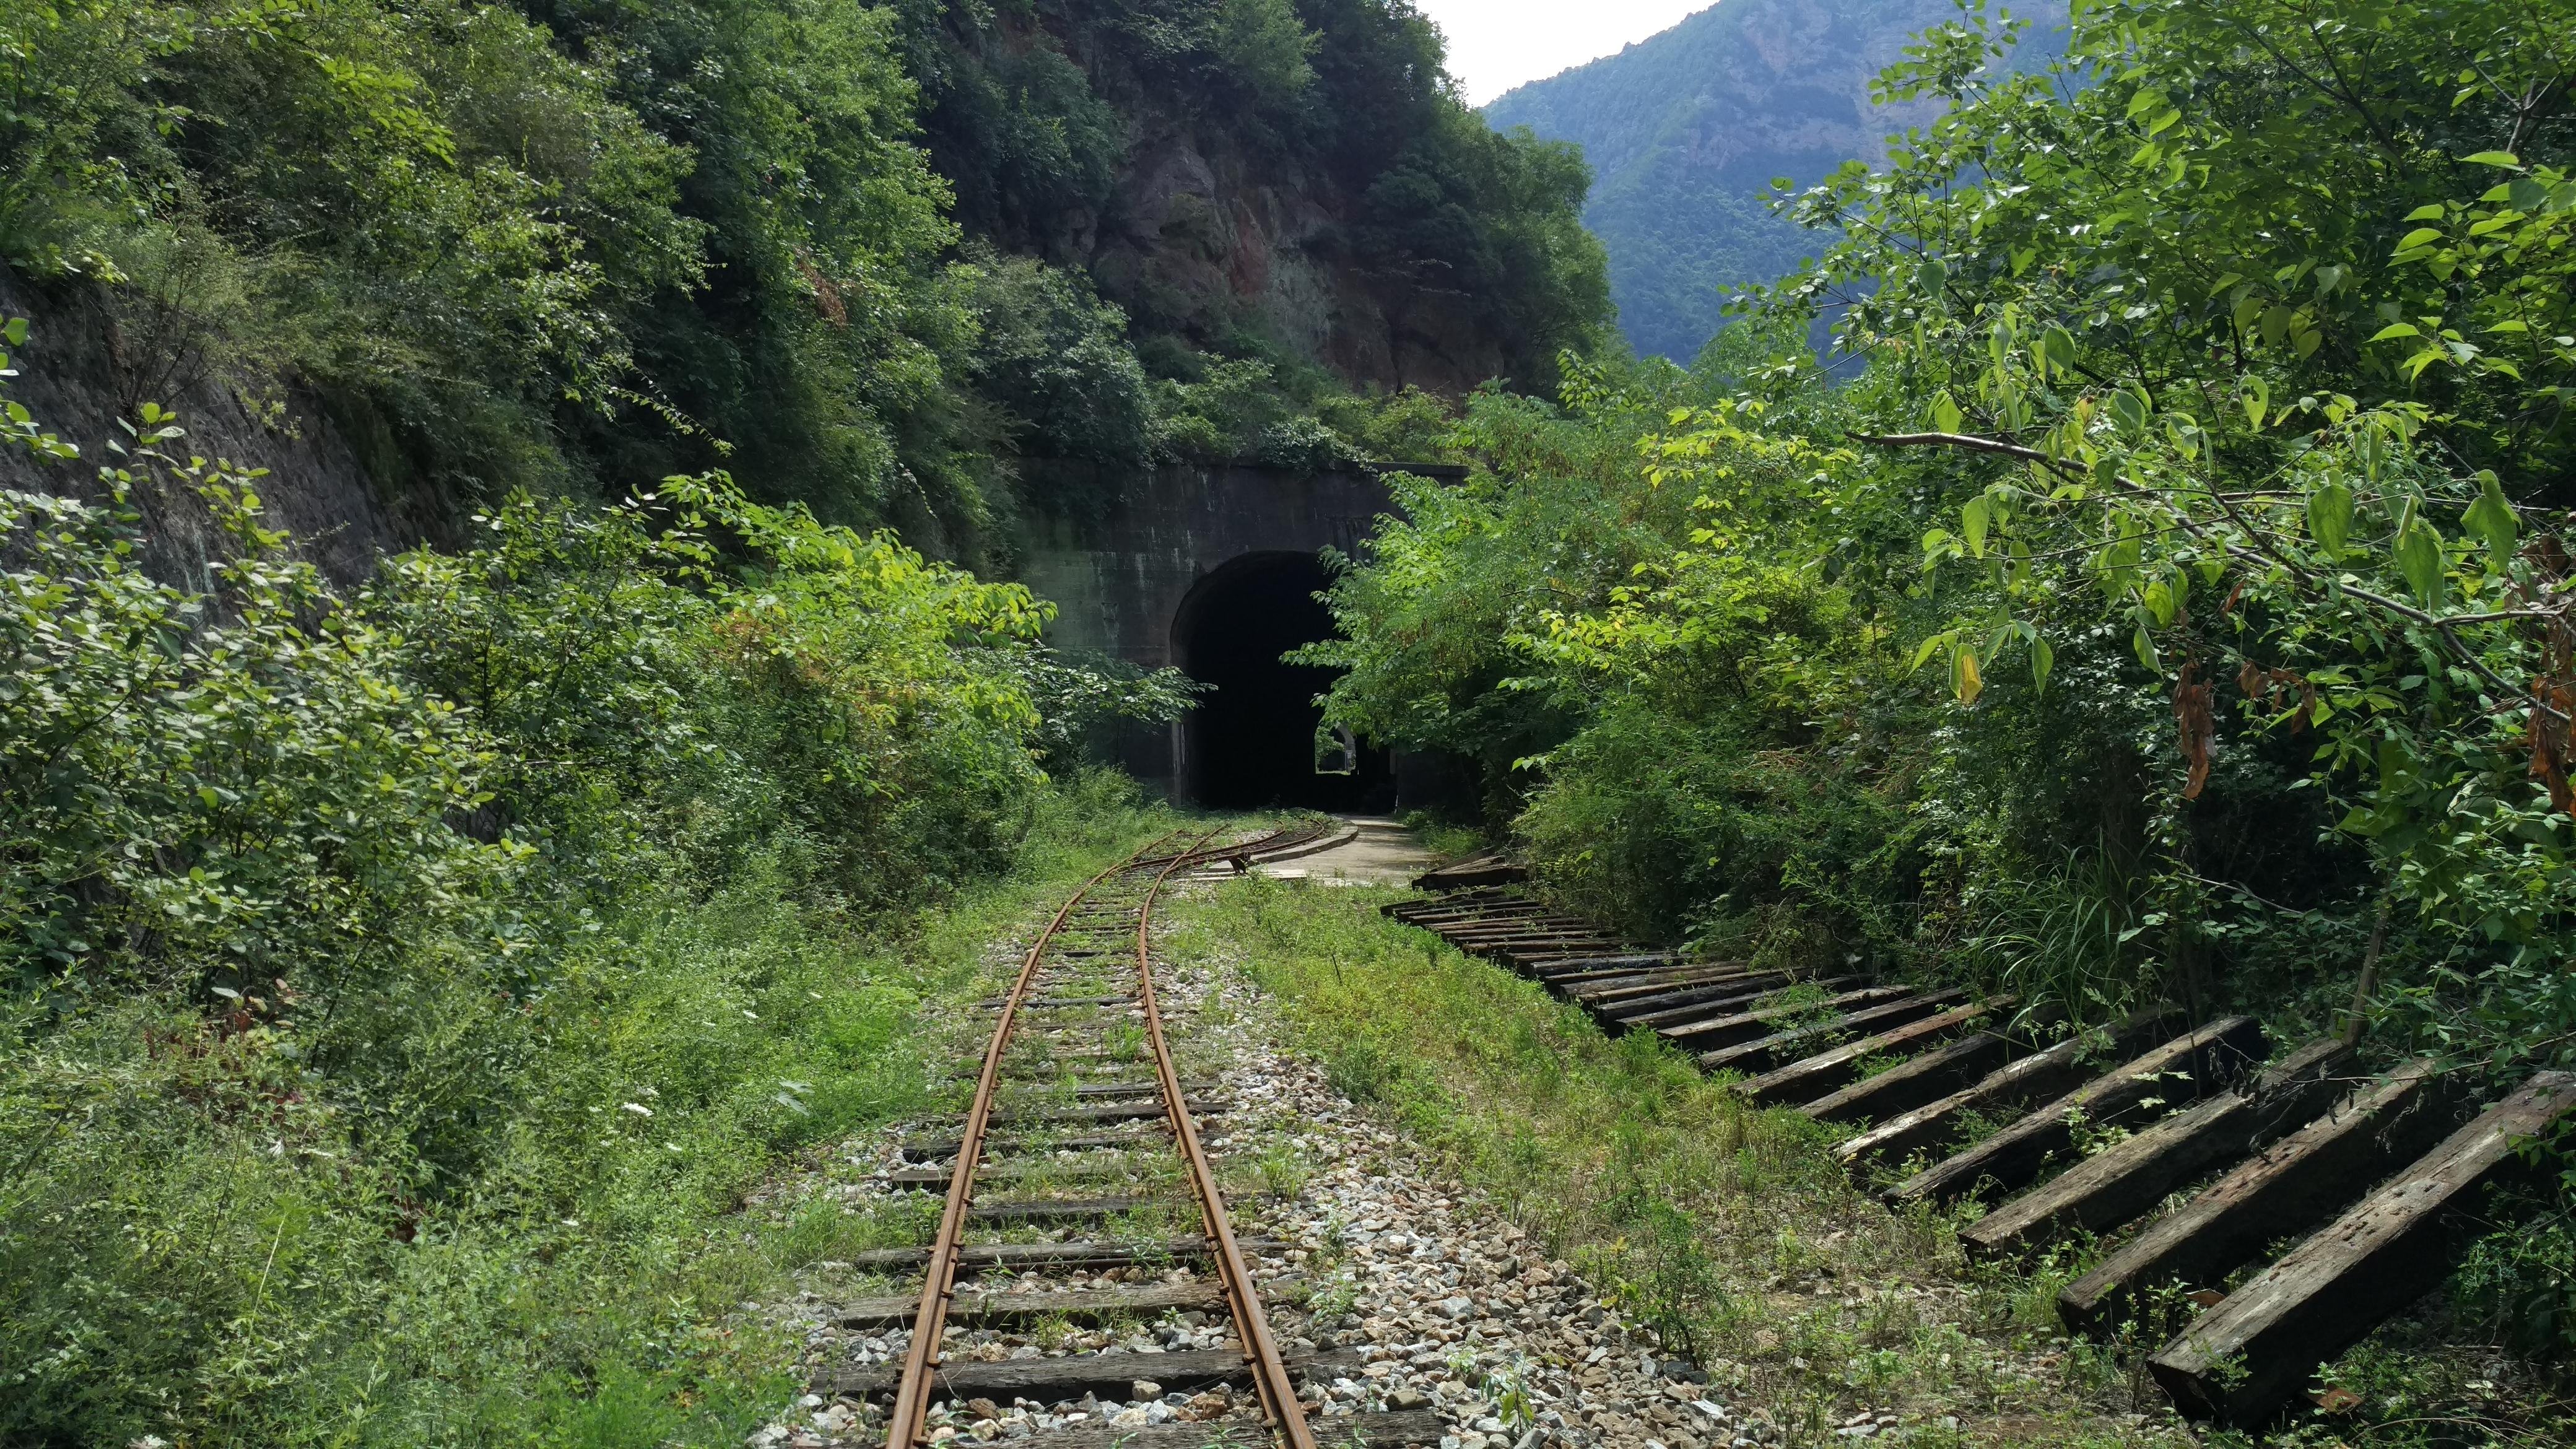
(2282, 1150)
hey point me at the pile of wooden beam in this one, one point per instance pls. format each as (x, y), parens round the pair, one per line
(2376, 1173)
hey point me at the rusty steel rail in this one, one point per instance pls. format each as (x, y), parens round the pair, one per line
(930, 1322)
(1286, 837)
(1270, 1377)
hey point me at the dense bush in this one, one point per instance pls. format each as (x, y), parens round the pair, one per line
(2173, 597)
(402, 987)
(573, 247)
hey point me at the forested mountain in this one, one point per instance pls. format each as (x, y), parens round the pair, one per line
(865, 255)
(1686, 132)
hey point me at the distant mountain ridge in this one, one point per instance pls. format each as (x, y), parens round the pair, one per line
(1685, 131)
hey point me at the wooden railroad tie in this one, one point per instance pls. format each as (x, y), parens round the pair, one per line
(2241, 1360)
(2050, 1073)
(2196, 1063)
(1808, 1078)
(2127, 1180)
(2287, 1188)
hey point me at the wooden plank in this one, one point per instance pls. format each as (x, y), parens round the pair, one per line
(1671, 998)
(1577, 966)
(1643, 1015)
(1432, 917)
(2242, 1359)
(2287, 1188)
(1766, 1052)
(1331, 1431)
(2190, 1065)
(1048, 1380)
(1484, 871)
(1925, 1078)
(1726, 1028)
(1643, 1012)
(1080, 1253)
(1600, 995)
(1597, 990)
(2049, 1073)
(1529, 923)
(1011, 1172)
(994, 1003)
(1571, 937)
(1811, 1077)
(1523, 953)
(1936, 1073)
(2128, 1179)
(1034, 1210)
(1460, 902)
(984, 1305)
(1128, 1111)
(937, 1149)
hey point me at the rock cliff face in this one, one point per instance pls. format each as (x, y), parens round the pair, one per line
(1197, 240)
(85, 366)
(1319, 197)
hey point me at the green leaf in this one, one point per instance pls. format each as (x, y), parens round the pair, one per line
(2330, 518)
(1946, 416)
(2419, 557)
(1929, 648)
(1974, 518)
(2434, 212)
(1965, 681)
(2491, 520)
(1931, 277)
(2422, 236)
(16, 331)
(2257, 396)
(2042, 659)
(2395, 329)
(2147, 654)
(2057, 351)
(2494, 158)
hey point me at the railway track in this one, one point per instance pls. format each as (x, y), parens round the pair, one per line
(2379, 1175)
(1079, 1188)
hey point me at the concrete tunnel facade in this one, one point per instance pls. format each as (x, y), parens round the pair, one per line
(1212, 570)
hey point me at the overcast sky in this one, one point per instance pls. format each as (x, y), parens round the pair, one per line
(1495, 45)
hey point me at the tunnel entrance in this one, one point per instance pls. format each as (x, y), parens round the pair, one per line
(1250, 744)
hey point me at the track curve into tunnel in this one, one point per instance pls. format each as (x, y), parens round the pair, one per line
(1250, 744)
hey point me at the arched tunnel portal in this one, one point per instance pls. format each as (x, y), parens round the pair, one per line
(1251, 742)
(1214, 570)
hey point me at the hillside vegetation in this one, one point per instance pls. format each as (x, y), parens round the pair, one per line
(411, 977)
(404, 987)
(1688, 130)
(864, 255)
(2176, 607)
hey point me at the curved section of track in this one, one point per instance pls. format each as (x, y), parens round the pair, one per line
(1122, 899)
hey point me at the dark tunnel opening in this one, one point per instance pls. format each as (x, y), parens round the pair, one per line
(1250, 744)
